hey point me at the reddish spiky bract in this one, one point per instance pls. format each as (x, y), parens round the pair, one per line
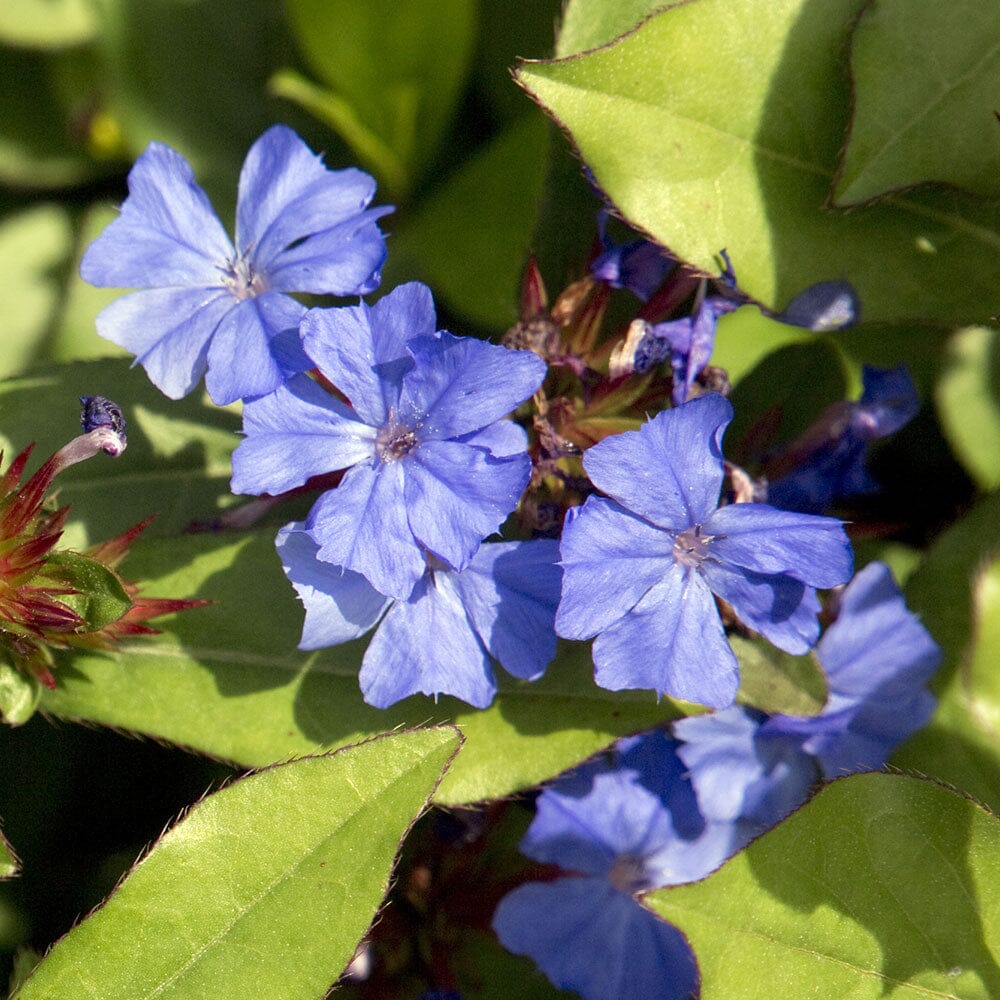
(34, 618)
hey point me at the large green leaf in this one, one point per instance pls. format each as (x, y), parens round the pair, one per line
(470, 239)
(228, 680)
(954, 590)
(926, 77)
(395, 72)
(264, 889)
(176, 464)
(882, 886)
(968, 401)
(718, 123)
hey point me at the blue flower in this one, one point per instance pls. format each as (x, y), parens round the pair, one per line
(444, 637)
(753, 770)
(209, 305)
(828, 461)
(432, 466)
(623, 825)
(640, 265)
(641, 565)
(687, 343)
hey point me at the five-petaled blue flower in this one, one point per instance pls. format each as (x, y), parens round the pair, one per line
(641, 564)
(624, 825)
(300, 227)
(432, 466)
(444, 637)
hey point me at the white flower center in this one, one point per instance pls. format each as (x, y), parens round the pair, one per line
(242, 280)
(691, 547)
(395, 440)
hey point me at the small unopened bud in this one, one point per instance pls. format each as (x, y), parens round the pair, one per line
(104, 430)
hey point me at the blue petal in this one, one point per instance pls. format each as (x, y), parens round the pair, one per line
(598, 813)
(362, 526)
(741, 774)
(670, 470)
(241, 363)
(718, 750)
(510, 591)
(610, 559)
(167, 233)
(502, 439)
(766, 540)
(168, 330)
(778, 606)
(362, 349)
(672, 641)
(587, 937)
(427, 644)
(343, 260)
(297, 432)
(456, 495)
(461, 384)
(878, 659)
(287, 195)
(340, 605)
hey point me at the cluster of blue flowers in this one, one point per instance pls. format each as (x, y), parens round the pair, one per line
(666, 808)
(407, 430)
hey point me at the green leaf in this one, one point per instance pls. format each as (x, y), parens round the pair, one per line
(9, 865)
(968, 401)
(882, 886)
(176, 464)
(47, 23)
(228, 680)
(396, 71)
(736, 145)
(954, 593)
(264, 889)
(33, 244)
(100, 597)
(926, 78)
(20, 694)
(587, 24)
(470, 239)
(777, 682)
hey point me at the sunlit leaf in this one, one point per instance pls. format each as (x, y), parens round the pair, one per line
(264, 889)
(882, 886)
(718, 125)
(923, 110)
